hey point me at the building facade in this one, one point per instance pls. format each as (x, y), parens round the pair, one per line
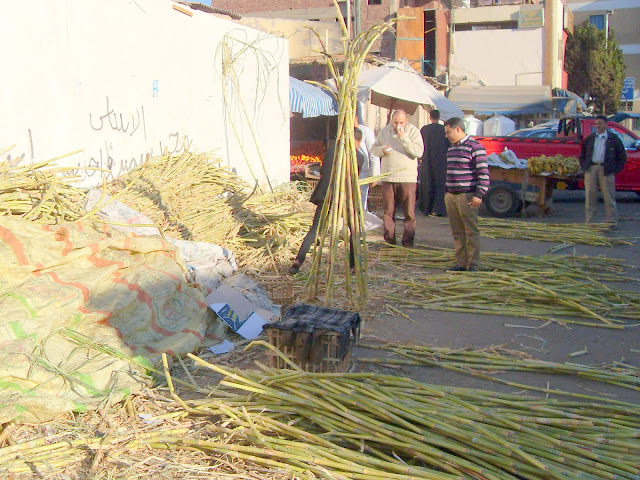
(363, 14)
(623, 17)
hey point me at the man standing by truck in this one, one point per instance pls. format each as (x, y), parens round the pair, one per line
(602, 156)
(467, 182)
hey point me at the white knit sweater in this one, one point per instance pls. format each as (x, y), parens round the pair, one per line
(402, 161)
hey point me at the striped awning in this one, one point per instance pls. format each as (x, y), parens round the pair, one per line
(310, 101)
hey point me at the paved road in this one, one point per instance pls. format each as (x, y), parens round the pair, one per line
(553, 342)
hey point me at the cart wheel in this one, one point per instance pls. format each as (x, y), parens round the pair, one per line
(503, 201)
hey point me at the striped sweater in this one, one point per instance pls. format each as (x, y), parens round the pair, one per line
(467, 169)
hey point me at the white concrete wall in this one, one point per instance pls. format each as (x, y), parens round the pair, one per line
(120, 79)
(500, 57)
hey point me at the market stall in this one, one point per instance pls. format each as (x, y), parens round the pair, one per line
(311, 107)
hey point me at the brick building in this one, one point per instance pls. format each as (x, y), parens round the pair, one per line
(363, 13)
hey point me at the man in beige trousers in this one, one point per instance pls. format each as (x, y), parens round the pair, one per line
(467, 183)
(601, 157)
(399, 145)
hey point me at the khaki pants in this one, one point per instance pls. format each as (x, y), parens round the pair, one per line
(594, 177)
(464, 227)
(405, 195)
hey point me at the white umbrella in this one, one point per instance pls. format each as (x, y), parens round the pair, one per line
(397, 85)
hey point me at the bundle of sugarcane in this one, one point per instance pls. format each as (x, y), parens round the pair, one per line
(497, 359)
(342, 216)
(41, 192)
(537, 294)
(568, 233)
(602, 269)
(188, 196)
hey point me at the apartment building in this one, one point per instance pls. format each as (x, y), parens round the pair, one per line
(623, 17)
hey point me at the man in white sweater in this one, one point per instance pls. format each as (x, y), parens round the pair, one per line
(399, 145)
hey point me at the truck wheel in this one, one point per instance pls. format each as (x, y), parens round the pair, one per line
(503, 201)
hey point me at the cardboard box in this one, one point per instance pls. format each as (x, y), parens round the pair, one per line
(242, 316)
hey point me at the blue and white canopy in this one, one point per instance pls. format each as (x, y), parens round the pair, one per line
(310, 101)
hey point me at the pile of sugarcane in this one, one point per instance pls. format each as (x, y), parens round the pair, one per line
(487, 362)
(567, 233)
(542, 295)
(192, 197)
(365, 426)
(602, 269)
(188, 196)
(273, 225)
(40, 192)
(380, 427)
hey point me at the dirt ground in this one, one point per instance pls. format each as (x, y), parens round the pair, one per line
(553, 342)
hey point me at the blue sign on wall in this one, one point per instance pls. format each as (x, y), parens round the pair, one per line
(627, 89)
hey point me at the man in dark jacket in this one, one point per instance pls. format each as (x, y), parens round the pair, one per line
(317, 198)
(602, 156)
(433, 169)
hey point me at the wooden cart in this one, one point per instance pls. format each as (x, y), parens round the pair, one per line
(501, 201)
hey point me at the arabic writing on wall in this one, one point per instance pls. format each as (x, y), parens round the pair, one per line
(112, 122)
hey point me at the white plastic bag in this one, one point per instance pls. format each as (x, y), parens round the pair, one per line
(371, 222)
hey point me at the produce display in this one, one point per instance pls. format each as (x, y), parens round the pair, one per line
(305, 153)
(557, 164)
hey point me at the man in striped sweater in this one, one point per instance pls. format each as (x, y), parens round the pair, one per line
(467, 182)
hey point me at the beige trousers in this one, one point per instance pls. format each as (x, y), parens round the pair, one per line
(464, 227)
(594, 177)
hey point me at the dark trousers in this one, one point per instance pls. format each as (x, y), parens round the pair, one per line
(433, 179)
(311, 236)
(405, 195)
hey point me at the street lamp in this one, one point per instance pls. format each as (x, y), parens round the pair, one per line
(606, 28)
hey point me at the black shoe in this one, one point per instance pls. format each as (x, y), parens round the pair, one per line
(295, 268)
(457, 268)
(407, 244)
(391, 241)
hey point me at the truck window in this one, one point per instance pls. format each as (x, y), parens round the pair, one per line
(627, 140)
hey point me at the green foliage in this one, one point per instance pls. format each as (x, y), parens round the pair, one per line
(595, 67)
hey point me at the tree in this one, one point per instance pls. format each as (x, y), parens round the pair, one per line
(595, 66)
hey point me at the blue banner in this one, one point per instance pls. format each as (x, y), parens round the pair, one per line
(627, 89)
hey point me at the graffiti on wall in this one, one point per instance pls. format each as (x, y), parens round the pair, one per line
(126, 122)
(115, 123)
(119, 144)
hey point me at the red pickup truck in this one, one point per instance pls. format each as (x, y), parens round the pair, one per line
(505, 198)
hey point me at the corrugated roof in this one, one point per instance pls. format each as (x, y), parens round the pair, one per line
(506, 100)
